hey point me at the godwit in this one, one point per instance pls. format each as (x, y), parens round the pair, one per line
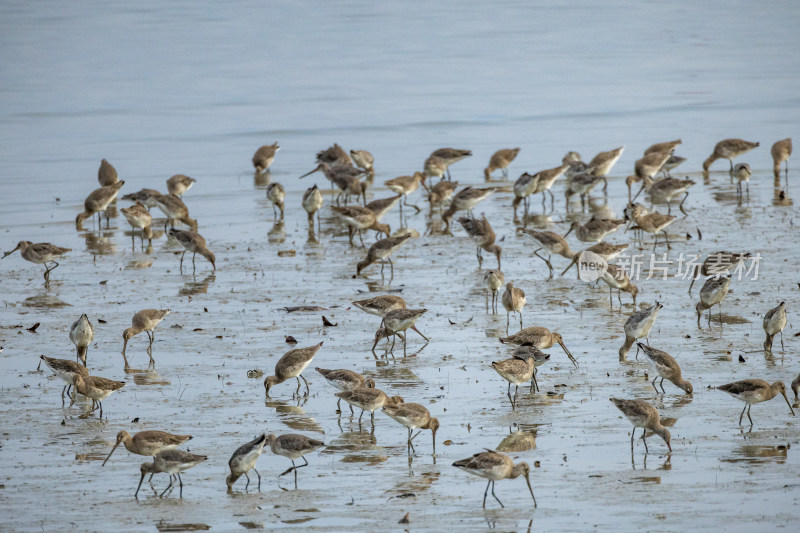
(668, 147)
(81, 334)
(405, 185)
(413, 416)
(494, 279)
(291, 365)
(638, 327)
(666, 367)
(616, 278)
(464, 200)
(665, 190)
(582, 185)
(515, 371)
(179, 184)
(527, 351)
(148, 443)
(174, 208)
(341, 176)
(523, 188)
(500, 161)
(276, 194)
(382, 206)
(381, 251)
(147, 197)
(576, 166)
(312, 202)
(380, 305)
(752, 391)
(107, 174)
(540, 338)
(742, 173)
(781, 151)
(451, 156)
(264, 157)
(65, 371)
(358, 219)
(650, 165)
(513, 301)
(96, 388)
(293, 446)
(364, 160)
(494, 466)
(244, 459)
(435, 167)
(40, 253)
(98, 201)
(604, 161)
(546, 179)
(653, 223)
(595, 230)
(712, 293)
(138, 216)
(645, 416)
(145, 320)
(195, 243)
(774, 322)
(729, 149)
(171, 462)
(553, 243)
(396, 322)
(673, 162)
(334, 155)
(440, 193)
(718, 263)
(368, 400)
(607, 251)
(482, 233)
(344, 380)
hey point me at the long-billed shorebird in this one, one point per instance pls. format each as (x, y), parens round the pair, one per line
(312, 202)
(607, 251)
(576, 165)
(774, 322)
(500, 161)
(81, 334)
(146, 197)
(464, 200)
(276, 195)
(650, 165)
(264, 157)
(742, 173)
(380, 305)
(523, 189)
(293, 447)
(344, 380)
(171, 462)
(604, 161)
(616, 278)
(450, 156)
(175, 210)
(395, 323)
(145, 320)
(516, 371)
(413, 416)
(435, 167)
(138, 216)
(752, 391)
(368, 399)
(665, 190)
(553, 243)
(405, 185)
(666, 367)
(582, 185)
(653, 223)
(718, 263)
(595, 230)
(729, 149)
(781, 151)
(482, 233)
(668, 147)
(195, 243)
(495, 466)
(65, 370)
(513, 300)
(528, 351)
(96, 388)
(712, 293)
(179, 184)
(345, 177)
(364, 160)
(358, 219)
(545, 180)
(381, 251)
(40, 253)
(291, 365)
(440, 193)
(334, 155)
(382, 206)
(540, 338)
(148, 442)
(638, 327)
(244, 459)
(107, 174)
(494, 279)
(98, 201)
(645, 416)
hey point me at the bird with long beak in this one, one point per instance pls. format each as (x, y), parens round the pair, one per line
(413, 416)
(752, 391)
(495, 466)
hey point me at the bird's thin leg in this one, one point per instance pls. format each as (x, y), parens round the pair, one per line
(644, 439)
(259, 478)
(741, 415)
(496, 498)
(748, 414)
(632, 432)
(248, 481)
(306, 382)
(682, 201)
(485, 493)
(654, 384)
(181, 267)
(661, 384)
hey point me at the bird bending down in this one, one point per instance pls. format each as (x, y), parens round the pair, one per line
(243, 460)
(729, 149)
(381, 251)
(145, 320)
(774, 322)
(482, 233)
(171, 462)
(638, 326)
(666, 367)
(513, 301)
(195, 243)
(645, 416)
(495, 466)
(291, 365)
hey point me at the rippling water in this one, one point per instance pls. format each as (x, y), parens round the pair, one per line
(196, 88)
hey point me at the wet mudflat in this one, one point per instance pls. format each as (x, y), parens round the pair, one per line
(226, 323)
